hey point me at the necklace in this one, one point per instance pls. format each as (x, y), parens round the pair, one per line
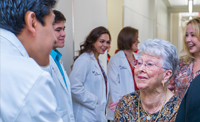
(149, 116)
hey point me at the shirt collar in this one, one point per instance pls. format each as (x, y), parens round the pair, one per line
(56, 55)
(12, 38)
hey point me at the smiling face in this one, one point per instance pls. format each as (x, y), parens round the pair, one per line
(101, 45)
(134, 46)
(149, 78)
(192, 41)
(59, 30)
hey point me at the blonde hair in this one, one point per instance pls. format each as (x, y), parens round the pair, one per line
(188, 58)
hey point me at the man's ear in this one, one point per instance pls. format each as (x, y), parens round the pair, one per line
(30, 22)
(167, 75)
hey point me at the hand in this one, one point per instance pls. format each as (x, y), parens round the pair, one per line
(113, 105)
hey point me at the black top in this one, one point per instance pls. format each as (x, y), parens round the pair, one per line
(189, 110)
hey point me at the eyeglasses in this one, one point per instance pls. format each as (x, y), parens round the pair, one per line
(148, 65)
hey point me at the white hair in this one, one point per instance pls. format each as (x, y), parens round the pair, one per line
(161, 49)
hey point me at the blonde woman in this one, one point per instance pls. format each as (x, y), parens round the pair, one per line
(189, 65)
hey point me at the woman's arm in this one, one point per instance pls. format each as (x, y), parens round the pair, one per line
(114, 84)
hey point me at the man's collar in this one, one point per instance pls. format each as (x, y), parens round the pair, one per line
(56, 55)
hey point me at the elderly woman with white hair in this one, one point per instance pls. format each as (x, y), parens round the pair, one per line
(153, 101)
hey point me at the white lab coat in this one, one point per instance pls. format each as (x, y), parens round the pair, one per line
(27, 91)
(120, 79)
(63, 95)
(88, 89)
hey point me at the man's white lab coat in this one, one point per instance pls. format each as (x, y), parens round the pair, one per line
(27, 92)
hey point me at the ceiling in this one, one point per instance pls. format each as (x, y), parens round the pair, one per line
(181, 6)
(182, 2)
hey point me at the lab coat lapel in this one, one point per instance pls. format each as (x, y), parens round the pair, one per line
(125, 61)
(95, 62)
(66, 78)
(97, 66)
(58, 74)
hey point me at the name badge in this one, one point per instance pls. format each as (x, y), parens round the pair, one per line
(95, 73)
(122, 67)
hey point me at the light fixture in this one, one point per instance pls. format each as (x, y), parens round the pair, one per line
(190, 6)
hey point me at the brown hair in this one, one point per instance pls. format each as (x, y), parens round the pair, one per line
(126, 37)
(58, 16)
(87, 45)
(188, 58)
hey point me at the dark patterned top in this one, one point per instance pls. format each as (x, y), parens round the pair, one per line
(182, 79)
(127, 110)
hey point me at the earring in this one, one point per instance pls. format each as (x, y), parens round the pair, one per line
(163, 84)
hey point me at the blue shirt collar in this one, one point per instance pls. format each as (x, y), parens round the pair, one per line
(56, 55)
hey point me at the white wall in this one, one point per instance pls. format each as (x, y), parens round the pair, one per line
(115, 16)
(175, 29)
(89, 14)
(150, 17)
(181, 32)
(162, 20)
(137, 14)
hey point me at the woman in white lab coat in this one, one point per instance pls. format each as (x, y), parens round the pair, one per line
(89, 84)
(121, 68)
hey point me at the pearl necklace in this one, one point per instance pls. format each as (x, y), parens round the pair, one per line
(149, 116)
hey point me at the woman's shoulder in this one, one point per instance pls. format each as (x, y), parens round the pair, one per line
(117, 57)
(183, 62)
(172, 105)
(174, 101)
(131, 97)
(118, 54)
(183, 67)
(83, 59)
(171, 108)
(84, 56)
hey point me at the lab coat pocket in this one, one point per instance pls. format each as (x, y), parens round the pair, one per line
(98, 112)
(88, 115)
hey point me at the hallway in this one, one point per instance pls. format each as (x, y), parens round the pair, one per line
(153, 18)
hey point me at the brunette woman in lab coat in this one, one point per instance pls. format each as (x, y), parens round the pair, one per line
(89, 84)
(121, 68)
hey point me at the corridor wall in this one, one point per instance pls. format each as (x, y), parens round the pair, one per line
(89, 14)
(150, 17)
(115, 10)
(137, 14)
(162, 20)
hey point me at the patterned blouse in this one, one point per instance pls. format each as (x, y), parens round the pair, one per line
(182, 79)
(127, 110)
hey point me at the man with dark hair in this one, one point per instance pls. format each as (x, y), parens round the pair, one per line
(56, 68)
(28, 93)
